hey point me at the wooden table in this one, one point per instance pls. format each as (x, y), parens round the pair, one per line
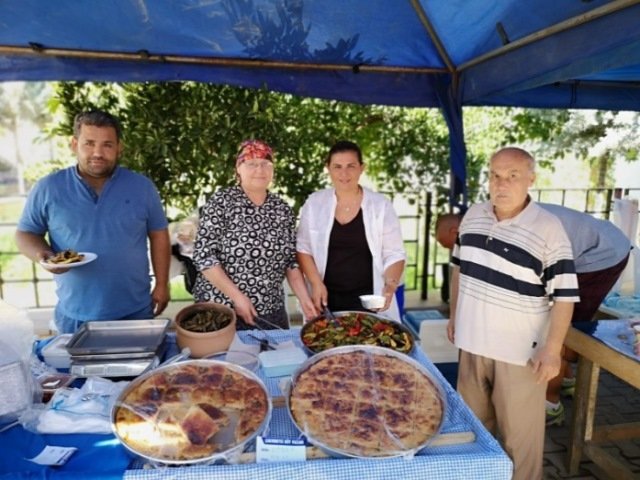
(585, 437)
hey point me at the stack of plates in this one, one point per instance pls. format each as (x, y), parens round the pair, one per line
(117, 348)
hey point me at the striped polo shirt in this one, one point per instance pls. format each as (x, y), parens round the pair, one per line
(511, 272)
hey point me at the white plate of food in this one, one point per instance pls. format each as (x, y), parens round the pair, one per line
(69, 259)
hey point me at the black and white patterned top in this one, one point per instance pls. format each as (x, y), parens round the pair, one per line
(255, 245)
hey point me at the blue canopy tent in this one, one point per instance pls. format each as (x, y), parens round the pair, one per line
(426, 53)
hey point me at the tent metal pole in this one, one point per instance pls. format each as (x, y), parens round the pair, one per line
(435, 38)
(144, 56)
(552, 30)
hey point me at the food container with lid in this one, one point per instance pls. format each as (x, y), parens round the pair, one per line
(51, 382)
(244, 359)
(282, 362)
(55, 352)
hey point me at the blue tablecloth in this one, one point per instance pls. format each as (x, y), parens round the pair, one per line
(101, 456)
(621, 305)
(98, 456)
(617, 334)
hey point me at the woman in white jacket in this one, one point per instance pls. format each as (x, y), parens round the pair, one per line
(349, 239)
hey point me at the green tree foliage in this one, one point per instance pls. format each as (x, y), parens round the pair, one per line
(185, 135)
(597, 137)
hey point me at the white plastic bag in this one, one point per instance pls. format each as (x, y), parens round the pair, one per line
(625, 217)
(76, 410)
(18, 386)
(16, 330)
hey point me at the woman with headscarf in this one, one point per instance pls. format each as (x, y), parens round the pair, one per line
(349, 239)
(245, 246)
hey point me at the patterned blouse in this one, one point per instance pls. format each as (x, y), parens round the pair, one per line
(255, 245)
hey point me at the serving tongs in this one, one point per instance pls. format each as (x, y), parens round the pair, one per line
(264, 343)
(328, 314)
(270, 341)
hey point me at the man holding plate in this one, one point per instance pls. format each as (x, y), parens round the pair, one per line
(104, 213)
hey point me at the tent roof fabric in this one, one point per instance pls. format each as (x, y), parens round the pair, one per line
(421, 53)
(540, 53)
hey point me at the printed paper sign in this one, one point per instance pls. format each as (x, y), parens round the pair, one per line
(53, 456)
(280, 450)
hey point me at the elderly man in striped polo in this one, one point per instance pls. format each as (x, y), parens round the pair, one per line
(513, 290)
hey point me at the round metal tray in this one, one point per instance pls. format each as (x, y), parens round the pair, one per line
(397, 325)
(226, 456)
(372, 350)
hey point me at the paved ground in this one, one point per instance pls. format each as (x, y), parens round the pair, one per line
(617, 402)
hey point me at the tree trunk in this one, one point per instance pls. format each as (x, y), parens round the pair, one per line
(19, 160)
(600, 169)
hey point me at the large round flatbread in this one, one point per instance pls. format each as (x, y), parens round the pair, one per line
(366, 404)
(181, 413)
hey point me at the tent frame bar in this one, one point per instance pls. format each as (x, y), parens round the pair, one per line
(144, 56)
(568, 24)
(435, 38)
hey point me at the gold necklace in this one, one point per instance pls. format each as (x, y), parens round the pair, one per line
(347, 207)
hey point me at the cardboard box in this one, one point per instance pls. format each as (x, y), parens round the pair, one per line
(413, 318)
(434, 341)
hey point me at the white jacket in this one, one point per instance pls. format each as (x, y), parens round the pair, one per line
(382, 230)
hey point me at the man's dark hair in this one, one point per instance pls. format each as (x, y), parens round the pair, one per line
(96, 118)
(344, 146)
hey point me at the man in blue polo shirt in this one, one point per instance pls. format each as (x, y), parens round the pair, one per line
(97, 206)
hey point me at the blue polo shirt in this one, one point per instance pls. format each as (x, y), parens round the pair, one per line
(114, 225)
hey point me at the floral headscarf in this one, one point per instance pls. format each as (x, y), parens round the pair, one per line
(254, 149)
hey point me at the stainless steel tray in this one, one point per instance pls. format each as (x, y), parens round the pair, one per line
(113, 368)
(397, 325)
(106, 357)
(118, 336)
(112, 356)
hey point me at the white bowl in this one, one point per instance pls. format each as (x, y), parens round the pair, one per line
(372, 302)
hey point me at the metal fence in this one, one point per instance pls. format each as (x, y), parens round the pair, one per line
(598, 202)
(26, 285)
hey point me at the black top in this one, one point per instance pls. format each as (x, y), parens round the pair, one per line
(349, 271)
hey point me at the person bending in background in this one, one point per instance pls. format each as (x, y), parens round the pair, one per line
(600, 253)
(349, 239)
(98, 206)
(513, 289)
(245, 246)
(447, 226)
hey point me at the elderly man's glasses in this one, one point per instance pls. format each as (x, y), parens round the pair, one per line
(253, 165)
